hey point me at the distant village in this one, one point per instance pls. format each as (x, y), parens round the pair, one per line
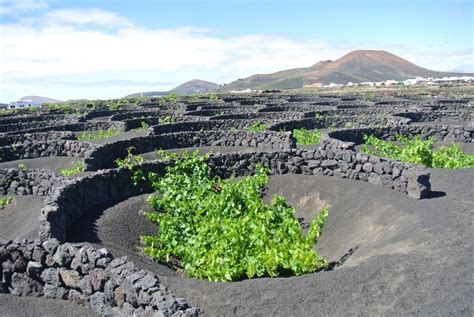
(21, 104)
(421, 81)
(418, 81)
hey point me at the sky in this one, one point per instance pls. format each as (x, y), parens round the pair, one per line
(107, 49)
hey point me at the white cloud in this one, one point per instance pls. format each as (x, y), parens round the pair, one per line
(86, 42)
(8, 7)
(86, 17)
(66, 42)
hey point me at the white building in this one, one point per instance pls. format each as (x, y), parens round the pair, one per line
(410, 82)
(23, 104)
(390, 82)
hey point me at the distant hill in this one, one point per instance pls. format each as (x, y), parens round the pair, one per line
(357, 66)
(39, 99)
(195, 86)
(189, 87)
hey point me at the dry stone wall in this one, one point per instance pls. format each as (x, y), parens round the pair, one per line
(50, 147)
(104, 156)
(27, 182)
(86, 276)
(331, 158)
(439, 132)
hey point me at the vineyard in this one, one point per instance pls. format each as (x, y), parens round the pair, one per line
(270, 203)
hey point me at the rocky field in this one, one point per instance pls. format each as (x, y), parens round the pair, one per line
(398, 238)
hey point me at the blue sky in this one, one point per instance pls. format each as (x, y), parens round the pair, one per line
(106, 49)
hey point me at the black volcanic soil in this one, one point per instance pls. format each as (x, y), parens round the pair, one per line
(54, 163)
(19, 219)
(411, 256)
(121, 136)
(39, 306)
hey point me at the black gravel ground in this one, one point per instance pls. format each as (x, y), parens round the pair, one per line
(408, 256)
(54, 163)
(121, 136)
(39, 307)
(19, 219)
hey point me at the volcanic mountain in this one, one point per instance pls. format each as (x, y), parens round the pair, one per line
(357, 66)
(195, 86)
(40, 99)
(189, 87)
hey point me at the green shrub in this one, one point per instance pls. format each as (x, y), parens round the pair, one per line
(173, 97)
(99, 135)
(222, 230)
(144, 127)
(77, 168)
(163, 155)
(131, 162)
(418, 151)
(5, 201)
(166, 120)
(256, 127)
(452, 157)
(116, 104)
(194, 98)
(21, 167)
(303, 136)
(65, 107)
(213, 98)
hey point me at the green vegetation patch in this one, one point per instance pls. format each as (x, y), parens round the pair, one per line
(213, 98)
(166, 120)
(99, 135)
(143, 127)
(4, 201)
(256, 127)
(418, 151)
(131, 162)
(305, 137)
(77, 168)
(173, 97)
(221, 230)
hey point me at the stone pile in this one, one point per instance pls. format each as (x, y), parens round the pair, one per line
(86, 276)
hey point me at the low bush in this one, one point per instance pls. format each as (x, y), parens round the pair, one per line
(256, 127)
(77, 168)
(4, 201)
(131, 162)
(99, 135)
(304, 136)
(221, 230)
(173, 97)
(143, 127)
(166, 120)
(213, 98)
(418, 151)
(194, 98)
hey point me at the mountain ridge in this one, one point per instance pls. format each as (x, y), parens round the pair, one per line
(188, 87)
(356, 66)
(39, 99)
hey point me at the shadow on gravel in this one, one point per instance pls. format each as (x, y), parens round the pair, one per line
(435, 194)
(86, 229)
(335, 264)
(287, 273)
